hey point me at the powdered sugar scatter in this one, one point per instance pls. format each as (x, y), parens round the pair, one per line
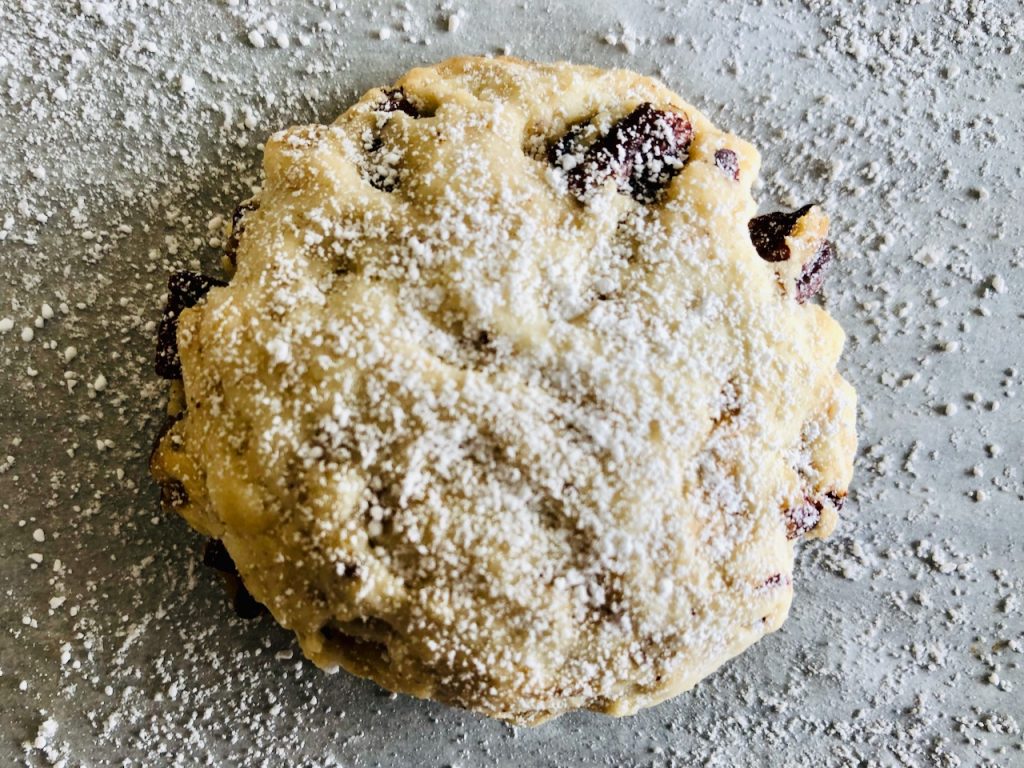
(130, 126)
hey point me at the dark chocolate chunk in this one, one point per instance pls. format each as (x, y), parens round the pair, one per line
(351, 571)
(395, 100)
(641, 152)
(768, 233)
(169, 422)
(483, 340)
(184, 290)
(216, 556)
(245, 605)
(173, 494)
(727, 162)
(571, 144)
(379, 174)
(383, 177)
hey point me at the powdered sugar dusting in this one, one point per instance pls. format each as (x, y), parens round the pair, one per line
(922, 647)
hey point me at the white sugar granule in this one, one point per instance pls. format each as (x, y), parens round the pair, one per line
(44, 735)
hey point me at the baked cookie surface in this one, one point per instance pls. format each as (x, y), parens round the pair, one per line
(512, 400)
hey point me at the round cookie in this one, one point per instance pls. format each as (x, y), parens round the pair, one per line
(511, 401)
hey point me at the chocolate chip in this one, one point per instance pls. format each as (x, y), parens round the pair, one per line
(395, 100)
(333, 635)
(482, 341)
(641, 152)
(173, 494)
(184, 290)
(216, 556)
(768, 233)
(245, 605)
(568, 151)
(351, 571)
(380, 171)
(727, 161)
(237, 228)
(812, 276)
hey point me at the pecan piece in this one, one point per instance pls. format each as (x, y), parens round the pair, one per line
(184, 289)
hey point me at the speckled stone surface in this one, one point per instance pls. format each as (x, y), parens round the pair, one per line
(127, 130)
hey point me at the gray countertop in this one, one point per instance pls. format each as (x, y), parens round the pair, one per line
(126, 128)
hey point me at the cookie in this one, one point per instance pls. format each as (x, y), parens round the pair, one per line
(512, 400)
